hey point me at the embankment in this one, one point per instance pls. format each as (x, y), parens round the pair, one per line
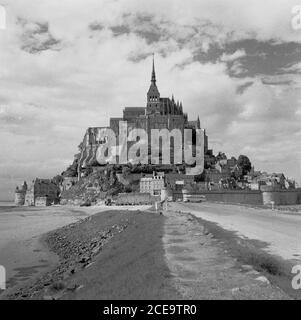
(111, 255)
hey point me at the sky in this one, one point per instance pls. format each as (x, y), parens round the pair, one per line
(66, 65)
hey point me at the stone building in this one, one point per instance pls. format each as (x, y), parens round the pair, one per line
(20, 194)
(159, 113)
(177, 181)
(42, 192)
(152, 184)
(43, 202)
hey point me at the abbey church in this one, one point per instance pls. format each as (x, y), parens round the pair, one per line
(159, 113)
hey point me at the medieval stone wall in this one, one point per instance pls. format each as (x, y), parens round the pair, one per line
(280, 197)
(42, 202)
(134, 199)
(252, 197)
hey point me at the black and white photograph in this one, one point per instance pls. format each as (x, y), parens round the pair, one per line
(150, 150)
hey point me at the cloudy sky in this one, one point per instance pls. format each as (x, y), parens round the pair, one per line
(66, 65)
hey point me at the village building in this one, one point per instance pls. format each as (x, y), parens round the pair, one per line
(178, 181)
(152, 184)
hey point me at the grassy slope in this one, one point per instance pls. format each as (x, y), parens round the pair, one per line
(131, 266)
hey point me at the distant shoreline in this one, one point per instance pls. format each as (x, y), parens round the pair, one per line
(7, 203)
(21, 252)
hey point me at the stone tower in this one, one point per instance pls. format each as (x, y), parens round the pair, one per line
(20, 194)
(153, 94)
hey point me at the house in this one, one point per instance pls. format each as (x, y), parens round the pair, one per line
(152, 184)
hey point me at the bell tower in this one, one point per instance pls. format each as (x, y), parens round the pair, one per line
(153, 94)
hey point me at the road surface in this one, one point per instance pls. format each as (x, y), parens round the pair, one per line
(281, 232)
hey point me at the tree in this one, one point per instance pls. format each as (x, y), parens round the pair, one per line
(126, 171)
(221, 156)
(245, 164)
(58, 179)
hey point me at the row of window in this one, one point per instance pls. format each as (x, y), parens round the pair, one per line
(153, 98)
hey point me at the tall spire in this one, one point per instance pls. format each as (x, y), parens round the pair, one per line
(153, 94)
(153, 72)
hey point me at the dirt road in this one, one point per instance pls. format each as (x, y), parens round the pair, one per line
(281, 232)
(203, 269)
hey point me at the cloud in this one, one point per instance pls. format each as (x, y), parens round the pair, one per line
(294, 68)
(36, 36)
(234, 56)
(68, 65)
(243, 87)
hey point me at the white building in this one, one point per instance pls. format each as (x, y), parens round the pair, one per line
(152, 184)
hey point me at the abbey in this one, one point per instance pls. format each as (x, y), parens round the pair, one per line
(159, 113)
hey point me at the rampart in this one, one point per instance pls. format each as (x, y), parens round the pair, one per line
(265, 196)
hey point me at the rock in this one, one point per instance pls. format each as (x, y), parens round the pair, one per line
(247, 267)
(89, 264)
(48, 298)
(72, 287)
(46, 284)
(235, 290)
(79, 287)
(253, 272)
(84, 259)
(96, 250)
(263, 279)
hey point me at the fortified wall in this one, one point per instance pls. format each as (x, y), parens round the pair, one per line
(135, 199)
(280, 197)
(265, 196)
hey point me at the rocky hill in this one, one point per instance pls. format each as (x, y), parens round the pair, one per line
(97, 186)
